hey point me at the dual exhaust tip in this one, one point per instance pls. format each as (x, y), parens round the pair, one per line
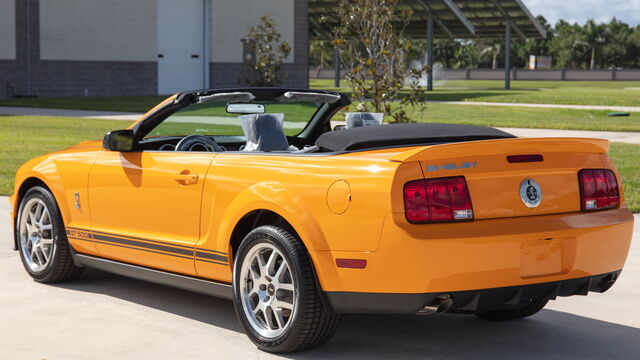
(438, 305)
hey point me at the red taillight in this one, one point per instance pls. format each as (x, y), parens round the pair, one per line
(599, 189)
(437, 200)
(524, 158)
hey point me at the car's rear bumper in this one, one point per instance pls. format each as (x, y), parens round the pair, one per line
(471, 301)
(484, 254)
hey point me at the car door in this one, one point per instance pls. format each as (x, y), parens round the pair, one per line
(145, 207)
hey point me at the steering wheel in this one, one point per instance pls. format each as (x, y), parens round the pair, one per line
(198, 143)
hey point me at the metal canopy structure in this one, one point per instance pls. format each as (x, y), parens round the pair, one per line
(453, 19)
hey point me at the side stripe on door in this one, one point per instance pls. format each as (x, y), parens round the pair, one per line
(147, 245)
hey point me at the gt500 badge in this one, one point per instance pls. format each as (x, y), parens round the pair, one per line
(530, 193)
(452, 166)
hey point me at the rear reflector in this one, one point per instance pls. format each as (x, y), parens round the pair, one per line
(437, 200)
(351, 263)
(599, 189)
(524, 158)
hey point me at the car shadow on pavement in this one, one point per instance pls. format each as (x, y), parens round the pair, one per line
(547, 335)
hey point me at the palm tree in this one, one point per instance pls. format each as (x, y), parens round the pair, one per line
(494, 49)
(595, 36)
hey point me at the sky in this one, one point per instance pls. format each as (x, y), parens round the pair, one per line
(582, 10)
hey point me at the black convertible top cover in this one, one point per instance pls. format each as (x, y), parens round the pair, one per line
(405, 134)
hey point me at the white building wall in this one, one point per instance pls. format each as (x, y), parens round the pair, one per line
(100, 30)
(231, 20)
(7, 29)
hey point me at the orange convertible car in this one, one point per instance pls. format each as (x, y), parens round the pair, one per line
(252, 195)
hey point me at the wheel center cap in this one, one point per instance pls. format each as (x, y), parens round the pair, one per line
(271, 289)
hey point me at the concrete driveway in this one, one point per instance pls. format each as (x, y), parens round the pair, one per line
(104, 316)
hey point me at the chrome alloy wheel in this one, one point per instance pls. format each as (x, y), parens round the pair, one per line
(267, 290)
(36, 235)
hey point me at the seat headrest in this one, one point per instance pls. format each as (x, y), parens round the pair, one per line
(264, 132)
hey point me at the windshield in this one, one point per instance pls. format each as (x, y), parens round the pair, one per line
(212, 119)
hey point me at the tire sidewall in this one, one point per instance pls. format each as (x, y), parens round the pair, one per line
(57, 230)
(269, 235)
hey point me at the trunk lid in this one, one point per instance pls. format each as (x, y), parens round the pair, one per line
(495, 184)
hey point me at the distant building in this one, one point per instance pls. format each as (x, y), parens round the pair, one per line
(138, 47)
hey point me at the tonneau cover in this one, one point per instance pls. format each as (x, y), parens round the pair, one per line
(405, 134)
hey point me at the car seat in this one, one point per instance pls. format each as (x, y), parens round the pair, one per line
(264, 132)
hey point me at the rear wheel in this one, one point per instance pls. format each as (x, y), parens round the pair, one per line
(513, 314)
(42, 241)
(275, 293)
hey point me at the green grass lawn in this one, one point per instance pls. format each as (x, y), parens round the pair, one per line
(24, 138)
(611, 93)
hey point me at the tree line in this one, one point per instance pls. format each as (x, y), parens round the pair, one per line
(591, 45)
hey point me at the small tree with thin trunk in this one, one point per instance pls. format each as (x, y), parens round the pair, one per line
(267, 53)
(373, 50)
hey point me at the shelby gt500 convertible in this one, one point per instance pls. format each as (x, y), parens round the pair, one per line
(252, 195)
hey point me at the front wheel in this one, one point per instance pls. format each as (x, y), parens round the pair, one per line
(42, 240)
(275, 293)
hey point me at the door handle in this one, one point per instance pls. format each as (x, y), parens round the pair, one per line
(185, 178)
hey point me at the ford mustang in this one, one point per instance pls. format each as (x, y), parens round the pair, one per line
(258, 195)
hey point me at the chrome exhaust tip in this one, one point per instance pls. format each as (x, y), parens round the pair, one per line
(438, 305)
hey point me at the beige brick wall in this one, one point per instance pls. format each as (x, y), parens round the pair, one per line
(231, 20)
(102, 30)
(7, 29)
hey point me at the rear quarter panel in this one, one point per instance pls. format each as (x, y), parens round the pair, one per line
(297, 188)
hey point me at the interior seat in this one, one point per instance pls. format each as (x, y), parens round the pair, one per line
(264, 132)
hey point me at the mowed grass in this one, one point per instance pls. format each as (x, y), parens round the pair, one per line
(566, 119)
(610, 93)
(625, 157)
(23, 138)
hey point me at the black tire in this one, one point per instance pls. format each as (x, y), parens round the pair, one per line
(513, 314)
(312, 323)
(61, 266)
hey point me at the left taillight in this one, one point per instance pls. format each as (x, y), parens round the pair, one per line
(437, 200)
(598, 189)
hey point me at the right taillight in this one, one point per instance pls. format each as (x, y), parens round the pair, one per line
(437, 200)
(599, 189)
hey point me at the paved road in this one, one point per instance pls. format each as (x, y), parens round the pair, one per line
(103, 316)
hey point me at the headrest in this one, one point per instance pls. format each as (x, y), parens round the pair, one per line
(362, 119)
(264, 132)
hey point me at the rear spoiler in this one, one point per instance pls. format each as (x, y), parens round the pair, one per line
(505, 146)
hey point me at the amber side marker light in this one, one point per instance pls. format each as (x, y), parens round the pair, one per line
(525, 158)
(598, 189)
(351, 263)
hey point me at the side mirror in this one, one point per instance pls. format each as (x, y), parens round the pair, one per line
(118, 140)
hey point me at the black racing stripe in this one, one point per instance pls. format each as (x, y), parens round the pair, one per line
(212, 262)
(134, 248)
(204, 253)
(78, 238)
(200, 254)
(142, 239)
(145, 245)
(213, 251)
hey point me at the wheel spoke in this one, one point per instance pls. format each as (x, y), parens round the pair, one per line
(279, 318)
(43, 215)
(40, 256)
(285, 305)
(46, 242)
(280, 271)
(45, 227)
(271, 263)
(285, 286)
(268, 316)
